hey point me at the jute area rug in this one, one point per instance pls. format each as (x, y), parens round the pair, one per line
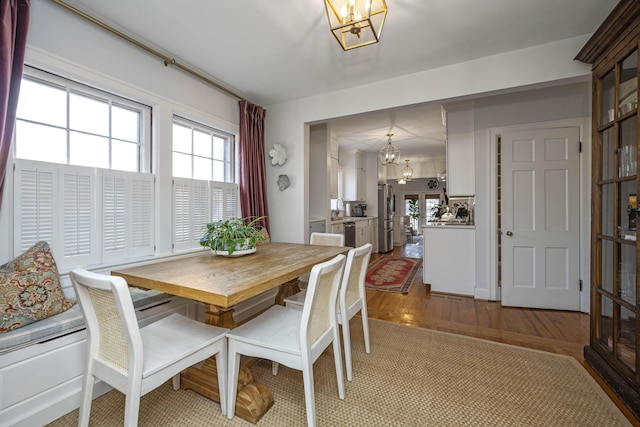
(392, 274)
(413, 377)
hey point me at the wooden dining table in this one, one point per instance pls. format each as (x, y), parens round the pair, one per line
(222, 282)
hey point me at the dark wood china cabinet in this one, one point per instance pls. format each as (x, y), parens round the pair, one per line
(615, 219)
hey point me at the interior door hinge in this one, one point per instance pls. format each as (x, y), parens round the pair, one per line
(580, 147)
(580, 285)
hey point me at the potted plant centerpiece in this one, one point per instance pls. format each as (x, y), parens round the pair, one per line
(233, 236)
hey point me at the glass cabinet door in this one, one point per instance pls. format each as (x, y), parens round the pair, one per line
(615, 306)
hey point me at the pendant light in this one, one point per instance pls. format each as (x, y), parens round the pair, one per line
(356, 23)
(390, 154)
(407, 172)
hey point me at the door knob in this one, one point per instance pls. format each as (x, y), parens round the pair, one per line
(509, 233)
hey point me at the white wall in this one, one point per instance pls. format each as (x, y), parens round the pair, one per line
(570, 104)
(540, 65)
(62, 43)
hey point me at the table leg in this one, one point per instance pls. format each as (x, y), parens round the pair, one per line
(287, 289)
(253, 399)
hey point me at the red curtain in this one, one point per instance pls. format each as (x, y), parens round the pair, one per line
(253, 193)
(14, 23)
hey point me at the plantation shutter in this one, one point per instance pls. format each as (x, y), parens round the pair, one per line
(190, 212)
(113, 216)
(195, 204)
(142, 212)
(34, 207)
(127, 211)
(78, 220)
(224, 200)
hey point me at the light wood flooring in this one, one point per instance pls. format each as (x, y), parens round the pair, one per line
(560, 332)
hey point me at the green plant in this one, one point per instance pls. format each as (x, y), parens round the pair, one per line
(439, 210)
(233, 234)
(414, 210)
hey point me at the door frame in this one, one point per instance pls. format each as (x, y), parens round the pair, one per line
(584, 126)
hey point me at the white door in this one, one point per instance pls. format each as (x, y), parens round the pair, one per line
(540, 218)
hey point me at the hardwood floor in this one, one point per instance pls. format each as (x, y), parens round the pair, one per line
(560, 332)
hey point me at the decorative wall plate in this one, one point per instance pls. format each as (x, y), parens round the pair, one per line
(283, 182)
(278, 154)
(432, 183)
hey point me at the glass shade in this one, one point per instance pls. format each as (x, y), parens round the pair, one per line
(356, 23)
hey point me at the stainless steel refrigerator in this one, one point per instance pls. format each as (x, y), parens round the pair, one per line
(385, 217)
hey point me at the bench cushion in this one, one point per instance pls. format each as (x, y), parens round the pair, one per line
(65, 323)
(30, 289)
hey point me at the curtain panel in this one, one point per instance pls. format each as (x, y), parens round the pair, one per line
(253, 194)
(14, 23)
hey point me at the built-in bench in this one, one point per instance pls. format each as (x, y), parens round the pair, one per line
(64, 323)
(41, 364)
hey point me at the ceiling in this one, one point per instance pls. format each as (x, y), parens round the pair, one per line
(272, 52)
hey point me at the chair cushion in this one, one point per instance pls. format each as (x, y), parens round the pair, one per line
(173, 338)
(30, 289)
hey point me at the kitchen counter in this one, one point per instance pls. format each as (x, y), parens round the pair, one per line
(351, 219)
(450, 225)
(449, 258)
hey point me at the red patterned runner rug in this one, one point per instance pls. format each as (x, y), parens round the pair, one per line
(392, 274)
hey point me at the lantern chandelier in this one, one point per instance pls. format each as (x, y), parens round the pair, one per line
(389, 155)
(407, 171)
(356, 23)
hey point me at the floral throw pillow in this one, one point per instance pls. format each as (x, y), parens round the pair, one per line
(30, 289)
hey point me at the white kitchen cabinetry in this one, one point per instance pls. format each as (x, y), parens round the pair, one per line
(333, 146)
(361, 176)
(362, 232)
(449, 259)
(460, 152)
(332, 175)
(332, 166)
(355, 164)
(337, 228)
(373, 233)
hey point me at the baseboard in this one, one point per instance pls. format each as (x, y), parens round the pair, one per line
(481, 293)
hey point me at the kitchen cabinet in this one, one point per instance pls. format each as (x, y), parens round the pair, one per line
(449, 259)
(460, 149)
(615, 289)
(366, 229)
(373, 233)
(333, 146)
(355, 164)
(362, 232)
(337, 228)
(332, 176)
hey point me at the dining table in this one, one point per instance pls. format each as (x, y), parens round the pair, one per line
(221, 282)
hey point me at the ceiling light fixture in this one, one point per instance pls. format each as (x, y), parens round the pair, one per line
(407, 171)
(390, 154)
(356, 23)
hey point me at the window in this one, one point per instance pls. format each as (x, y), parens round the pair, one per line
(203, 185)
(61, 121)
(431, 201)
(201, 152)
(78, 180)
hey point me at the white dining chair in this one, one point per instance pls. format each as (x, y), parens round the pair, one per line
(294, 338)
(325, 239)
(352, 299)
(136, 360)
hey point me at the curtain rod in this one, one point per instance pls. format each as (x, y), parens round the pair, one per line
(167, 60)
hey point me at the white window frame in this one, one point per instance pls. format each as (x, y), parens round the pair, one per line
(198, 202)
(46, 78)
(81, 211)
(229, 162)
